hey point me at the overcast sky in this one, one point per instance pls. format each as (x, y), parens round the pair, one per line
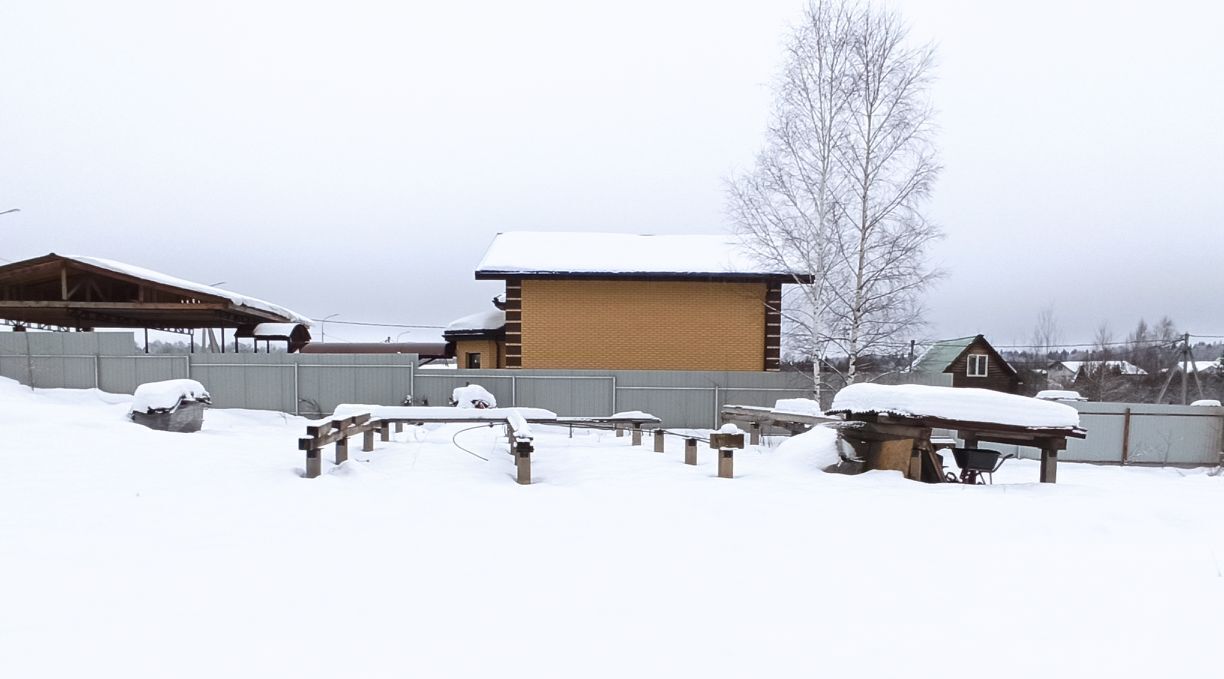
(356, 158)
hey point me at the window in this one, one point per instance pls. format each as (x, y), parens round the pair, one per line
(977, 365)
(472, 360)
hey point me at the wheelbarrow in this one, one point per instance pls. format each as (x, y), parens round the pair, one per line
(977, 465)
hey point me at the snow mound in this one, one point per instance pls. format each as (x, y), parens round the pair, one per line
(814, 448)
(473, 396)
(160, 397)
(1059, 395)
(1206, 402)
(798, 406)
(965, 405)
(729, 428)
(425, 413)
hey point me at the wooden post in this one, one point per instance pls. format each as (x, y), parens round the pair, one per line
(754, 437)
(658, 440)
(367, 440)
(690, 451)
(384, 431)
(1049, 463)
(620, 429)
(314, 462)
(522, 462)
(1126, 418)
(399, 427)
(726, 463)
(342, 450)
(637, 434)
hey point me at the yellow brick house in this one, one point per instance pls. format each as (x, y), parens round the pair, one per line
(603, 301)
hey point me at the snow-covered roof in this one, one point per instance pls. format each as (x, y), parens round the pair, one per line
(559, 253)
(1123, 367)
(493, 319)
(948, 403)
(164, 279)
(1201, 366)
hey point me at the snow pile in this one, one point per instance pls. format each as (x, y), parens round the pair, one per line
(1207, 403)
(815, 448)
(493, 319)
(528, 252)
(183, 284)
(729, 428)
(473, 396)
(1059, 395)
(160, 397)
(965, 405)
(798, 406)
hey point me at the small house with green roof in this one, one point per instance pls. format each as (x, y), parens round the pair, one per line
(971, 362)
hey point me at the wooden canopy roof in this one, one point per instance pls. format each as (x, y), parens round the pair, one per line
(82, 292)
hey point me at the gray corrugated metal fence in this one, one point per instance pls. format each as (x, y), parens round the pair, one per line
(311, 384)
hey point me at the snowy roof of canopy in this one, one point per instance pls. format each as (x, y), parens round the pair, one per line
(173, 281)
(80, 291)
(982, 406)
(591, 255)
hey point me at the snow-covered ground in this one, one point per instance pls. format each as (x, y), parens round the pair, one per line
(128, 552)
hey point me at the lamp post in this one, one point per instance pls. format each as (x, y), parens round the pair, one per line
(323, 327)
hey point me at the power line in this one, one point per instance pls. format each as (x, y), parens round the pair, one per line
(381, 325)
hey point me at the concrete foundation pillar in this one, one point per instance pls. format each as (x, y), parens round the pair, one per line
(690, 451)
(399, 427)
(384, 431)
(367, 440)
(637, 435)
(754, 434)
(620, 430)
(658, 440)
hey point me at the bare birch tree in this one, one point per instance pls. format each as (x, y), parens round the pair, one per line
(787, 205)
(889, 164)
(837, 192)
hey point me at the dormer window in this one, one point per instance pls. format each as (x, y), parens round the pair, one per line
(977, 365)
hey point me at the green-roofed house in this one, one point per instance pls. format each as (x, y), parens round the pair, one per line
(971, 362)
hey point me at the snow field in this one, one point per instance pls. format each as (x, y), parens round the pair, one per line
(131, 552)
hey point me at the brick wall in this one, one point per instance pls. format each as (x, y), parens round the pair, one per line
(642, 325)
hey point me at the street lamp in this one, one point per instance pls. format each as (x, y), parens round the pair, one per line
(323, 327)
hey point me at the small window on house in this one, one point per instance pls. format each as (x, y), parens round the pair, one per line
(977, 365)
(473, 360)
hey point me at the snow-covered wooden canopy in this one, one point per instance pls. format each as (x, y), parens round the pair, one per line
(88, 292)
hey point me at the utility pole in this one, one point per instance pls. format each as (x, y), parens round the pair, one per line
(910, 368)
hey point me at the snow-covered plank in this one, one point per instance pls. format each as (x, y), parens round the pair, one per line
(439, 413)
(962, 405)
